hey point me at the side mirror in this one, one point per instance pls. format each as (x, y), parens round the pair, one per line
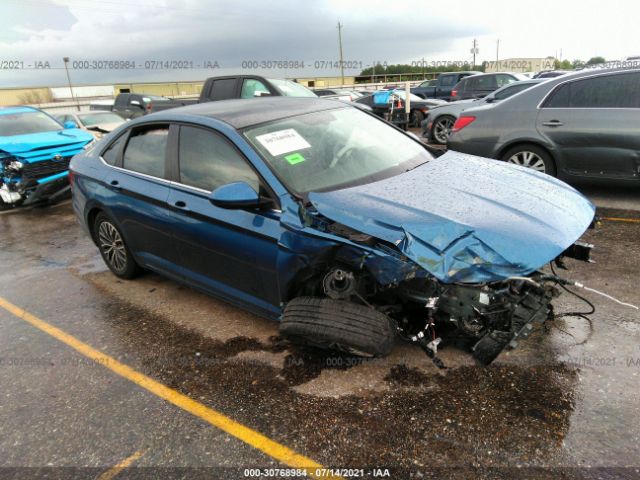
(69, 124)
(489, 99)
(234, 196)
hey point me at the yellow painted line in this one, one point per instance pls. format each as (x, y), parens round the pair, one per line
(116, 469)
(249, 436)
(616, 219)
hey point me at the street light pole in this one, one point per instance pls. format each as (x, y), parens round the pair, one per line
(66, 68)
(341, 58)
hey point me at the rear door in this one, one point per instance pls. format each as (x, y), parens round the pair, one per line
(594, 124)
(139, 190)
(226, 251)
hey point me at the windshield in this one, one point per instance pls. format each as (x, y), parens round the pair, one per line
(334, 149)
(92, 119)
(24, 123)
(291, 89)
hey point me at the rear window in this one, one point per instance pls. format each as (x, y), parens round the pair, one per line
(607, 91)
(447, 80)
(223, 89)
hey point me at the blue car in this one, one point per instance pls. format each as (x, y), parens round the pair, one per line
(327, 218)
(35, 150)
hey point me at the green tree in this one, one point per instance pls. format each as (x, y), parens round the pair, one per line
(596, 60)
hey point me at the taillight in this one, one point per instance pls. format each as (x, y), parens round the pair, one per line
(454, 93)
(462, 122)
(71, 178)
(149, 107)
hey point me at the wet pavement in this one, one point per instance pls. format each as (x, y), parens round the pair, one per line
(565, 404)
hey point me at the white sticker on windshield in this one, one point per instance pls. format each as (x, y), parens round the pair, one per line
(283, 141)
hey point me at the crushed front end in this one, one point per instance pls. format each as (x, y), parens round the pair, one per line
(36, 175)
(464, 261)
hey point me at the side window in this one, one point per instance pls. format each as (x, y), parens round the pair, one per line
(503, 80)
(146, 150)
(511, 91)
(559, 97)
(609, 91)
(470, 84)
(207, 161)
(484, 82)
(252, 88)
(223, 89)
(110, 155)
(447, 80)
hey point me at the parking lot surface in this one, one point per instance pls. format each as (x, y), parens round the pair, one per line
(564, 403)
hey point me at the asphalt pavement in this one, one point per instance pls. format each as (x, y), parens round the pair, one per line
(150, 379)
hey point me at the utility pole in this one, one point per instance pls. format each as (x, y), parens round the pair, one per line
(66, 67)
(497, 52)
(341, 57)
(474, 51)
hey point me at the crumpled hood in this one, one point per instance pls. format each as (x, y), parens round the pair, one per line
(20, 144)
(464, 218)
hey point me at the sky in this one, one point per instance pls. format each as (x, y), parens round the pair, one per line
(201, 33)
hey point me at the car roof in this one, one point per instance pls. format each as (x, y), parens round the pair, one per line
(17, 109)
(241, 113)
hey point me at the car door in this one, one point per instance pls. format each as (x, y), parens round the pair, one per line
(231, 252)
(138, 193)
(593, 124)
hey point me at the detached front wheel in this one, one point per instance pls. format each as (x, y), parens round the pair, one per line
(338, 325)
(113, 249)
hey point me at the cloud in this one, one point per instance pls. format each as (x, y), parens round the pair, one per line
(226, 32)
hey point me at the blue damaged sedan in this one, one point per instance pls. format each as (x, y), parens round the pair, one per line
(327, 218)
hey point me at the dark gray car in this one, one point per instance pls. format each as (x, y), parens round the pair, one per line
(440, 119)
(581, 124)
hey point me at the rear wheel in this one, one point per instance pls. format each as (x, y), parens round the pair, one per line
(338, 325)
(113, 249)
(531, 156)
(442, 128)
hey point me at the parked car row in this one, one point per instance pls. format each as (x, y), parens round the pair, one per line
(583, 124)
(440, 119)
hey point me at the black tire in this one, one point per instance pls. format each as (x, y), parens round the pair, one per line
(113, 248)
(416, 118)
(338, 325)
(531, 156)
(441, 129)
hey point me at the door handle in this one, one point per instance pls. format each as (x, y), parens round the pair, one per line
(552, 123)
(115, 184)
(181, 205)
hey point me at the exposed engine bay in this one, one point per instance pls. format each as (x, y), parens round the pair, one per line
(485, 317)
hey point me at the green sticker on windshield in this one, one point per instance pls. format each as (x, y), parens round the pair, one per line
(294, 158)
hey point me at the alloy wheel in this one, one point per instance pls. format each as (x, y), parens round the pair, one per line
(442, 129)
(528, 159)
(112, 246)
